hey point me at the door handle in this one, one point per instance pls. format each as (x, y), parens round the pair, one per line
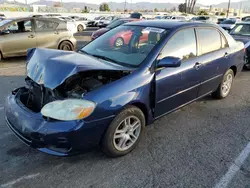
(31, 36)
(197, 66)
(56, 32)
(226, 55)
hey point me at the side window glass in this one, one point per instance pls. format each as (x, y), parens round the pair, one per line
(181, 45)
(209, 39)
(20, 27)
(42, 25)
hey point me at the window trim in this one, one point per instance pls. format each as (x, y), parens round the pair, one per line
(199, 43)
(182, 29)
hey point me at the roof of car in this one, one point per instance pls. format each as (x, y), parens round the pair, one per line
(166, 24)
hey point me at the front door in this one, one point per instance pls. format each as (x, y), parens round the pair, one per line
(176, 87)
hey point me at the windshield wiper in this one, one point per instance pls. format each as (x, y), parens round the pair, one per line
(104, 58)
(108, 59)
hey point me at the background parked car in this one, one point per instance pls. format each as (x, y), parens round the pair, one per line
(95, 21)
(241, 32)
(220, 20)
(20, 34)
(175, 18)
(114, 24)
(136, 15)
(71, 24)
(2, 17)
(228, 24)
(80, 25)
(82, 19)
(107, 21)
(205, 19)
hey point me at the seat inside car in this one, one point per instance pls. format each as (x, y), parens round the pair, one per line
(153, 37)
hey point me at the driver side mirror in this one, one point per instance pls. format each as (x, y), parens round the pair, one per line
(169, 62)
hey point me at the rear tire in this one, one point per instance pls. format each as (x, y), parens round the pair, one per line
(124, 133)
(225, 85)
(66, 46)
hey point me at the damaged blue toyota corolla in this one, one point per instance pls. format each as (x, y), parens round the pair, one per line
(107, 92)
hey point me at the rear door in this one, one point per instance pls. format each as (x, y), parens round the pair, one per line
(214, 58)
(20, 38)
(178, 86)
(47, 34)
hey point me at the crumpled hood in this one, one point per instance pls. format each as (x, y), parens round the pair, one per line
(52, 67)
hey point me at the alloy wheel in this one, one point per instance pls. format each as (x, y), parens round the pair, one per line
(127, 133)
(227, 84)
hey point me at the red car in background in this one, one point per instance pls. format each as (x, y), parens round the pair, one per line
(120, 38)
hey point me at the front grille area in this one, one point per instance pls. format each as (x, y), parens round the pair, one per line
(35, 96)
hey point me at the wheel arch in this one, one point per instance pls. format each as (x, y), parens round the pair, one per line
(65, 40)
(234, 68)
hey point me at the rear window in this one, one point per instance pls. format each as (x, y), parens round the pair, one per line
(210, 40)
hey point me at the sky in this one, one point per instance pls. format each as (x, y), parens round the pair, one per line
(204, 2)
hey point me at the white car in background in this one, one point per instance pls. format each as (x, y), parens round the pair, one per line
(80, 25)
(71, 24)
(106, 21)
(98, 19)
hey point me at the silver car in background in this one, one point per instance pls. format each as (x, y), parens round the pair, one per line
(19, 34)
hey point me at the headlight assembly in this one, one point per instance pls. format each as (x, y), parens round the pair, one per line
(69, 109)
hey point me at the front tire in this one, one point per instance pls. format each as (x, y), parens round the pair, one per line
(225, 85)
(124, 133)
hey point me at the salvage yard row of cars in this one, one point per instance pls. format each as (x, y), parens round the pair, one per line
(105, 93)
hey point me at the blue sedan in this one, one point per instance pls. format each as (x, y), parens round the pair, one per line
(106, 94)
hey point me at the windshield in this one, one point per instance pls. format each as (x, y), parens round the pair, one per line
(228, 22)
(2, 23)
(242, 29)
(125, 45)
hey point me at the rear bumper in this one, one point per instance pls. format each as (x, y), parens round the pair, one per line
(60, 138)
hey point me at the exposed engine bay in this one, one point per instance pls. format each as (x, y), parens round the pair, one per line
(35, 96)
(76, 86)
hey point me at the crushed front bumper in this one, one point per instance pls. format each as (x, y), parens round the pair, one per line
(60, 138)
